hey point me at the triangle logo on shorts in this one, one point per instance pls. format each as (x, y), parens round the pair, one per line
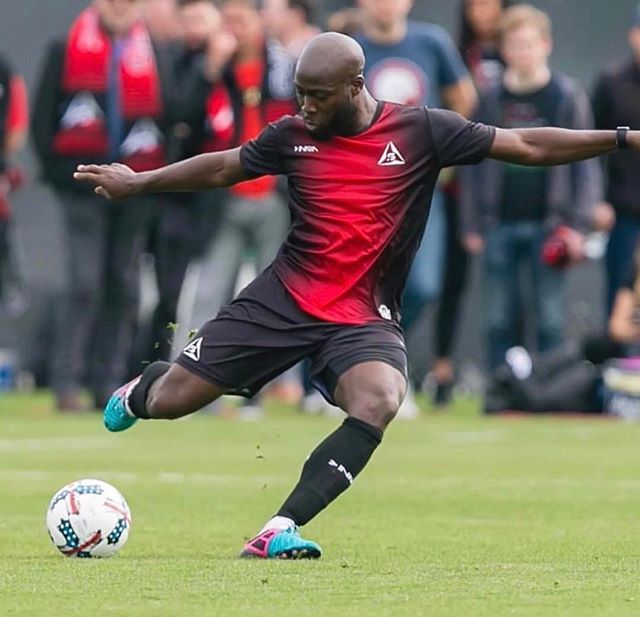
(192, 350)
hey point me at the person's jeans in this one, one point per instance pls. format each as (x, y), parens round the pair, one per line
(424, 282)
(619, 259)
(510, 248)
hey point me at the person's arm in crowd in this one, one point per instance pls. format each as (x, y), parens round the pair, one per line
(470, 179)
(199, 173)
(195, 80)
(458, 92)
(471, 235)
(192, 87)
(587, 182)
(461, 97)
(624, 325)
(18, 117)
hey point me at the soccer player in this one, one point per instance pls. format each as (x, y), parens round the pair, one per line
(360, 174)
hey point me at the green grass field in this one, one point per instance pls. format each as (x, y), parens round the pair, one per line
(457, 515)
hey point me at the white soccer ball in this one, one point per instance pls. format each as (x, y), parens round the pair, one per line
(88, 518)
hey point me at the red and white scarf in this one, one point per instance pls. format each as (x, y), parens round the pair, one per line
(83, 131)
(87, 60)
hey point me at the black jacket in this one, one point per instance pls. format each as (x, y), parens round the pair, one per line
(5, 92)
(616, 102)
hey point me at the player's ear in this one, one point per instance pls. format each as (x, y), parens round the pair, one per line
(357, 85)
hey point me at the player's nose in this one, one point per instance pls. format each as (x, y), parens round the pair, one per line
(308, 106)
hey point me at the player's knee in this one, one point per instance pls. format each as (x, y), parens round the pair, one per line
(379, 405)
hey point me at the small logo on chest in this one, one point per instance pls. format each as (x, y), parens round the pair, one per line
(391, 156)
(302, 149)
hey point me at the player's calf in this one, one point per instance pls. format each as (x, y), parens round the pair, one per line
(127, 404)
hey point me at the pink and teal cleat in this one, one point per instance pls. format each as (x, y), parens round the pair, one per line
(281, 544)
(116, 417)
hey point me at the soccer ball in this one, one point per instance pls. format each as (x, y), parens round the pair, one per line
(88, 518)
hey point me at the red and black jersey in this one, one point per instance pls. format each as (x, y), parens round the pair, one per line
(359, 204)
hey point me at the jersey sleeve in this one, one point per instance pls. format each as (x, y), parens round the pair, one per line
(260, 156)
(459, 141)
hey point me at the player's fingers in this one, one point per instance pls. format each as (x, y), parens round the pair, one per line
(100, 190)
(93, 169)
(85, 176)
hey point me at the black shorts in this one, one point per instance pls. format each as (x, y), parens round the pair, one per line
(262, 333)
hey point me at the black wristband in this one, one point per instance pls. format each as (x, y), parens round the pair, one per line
(621, 137)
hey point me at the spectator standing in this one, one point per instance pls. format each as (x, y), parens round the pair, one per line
(100, 97)
(616, 102)
(513, 213)
(478, 44)
(14, 126)
(191, 34)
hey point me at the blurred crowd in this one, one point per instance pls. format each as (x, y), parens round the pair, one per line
(149, 82)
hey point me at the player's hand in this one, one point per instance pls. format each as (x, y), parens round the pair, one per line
(473, 243)
(113, 181)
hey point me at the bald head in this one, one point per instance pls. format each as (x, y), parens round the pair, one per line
(330, 86)
(331, 55)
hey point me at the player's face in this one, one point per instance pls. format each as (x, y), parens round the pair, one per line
(386, 13)
(118, 16)
(198, 22)
(327, 107)
(526, 49)
(483, 16)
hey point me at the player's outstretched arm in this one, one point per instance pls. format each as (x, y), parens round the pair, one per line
(202, 172)
(554, 146)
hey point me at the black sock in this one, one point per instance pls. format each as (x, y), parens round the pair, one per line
(138, 396)
(331, 468)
